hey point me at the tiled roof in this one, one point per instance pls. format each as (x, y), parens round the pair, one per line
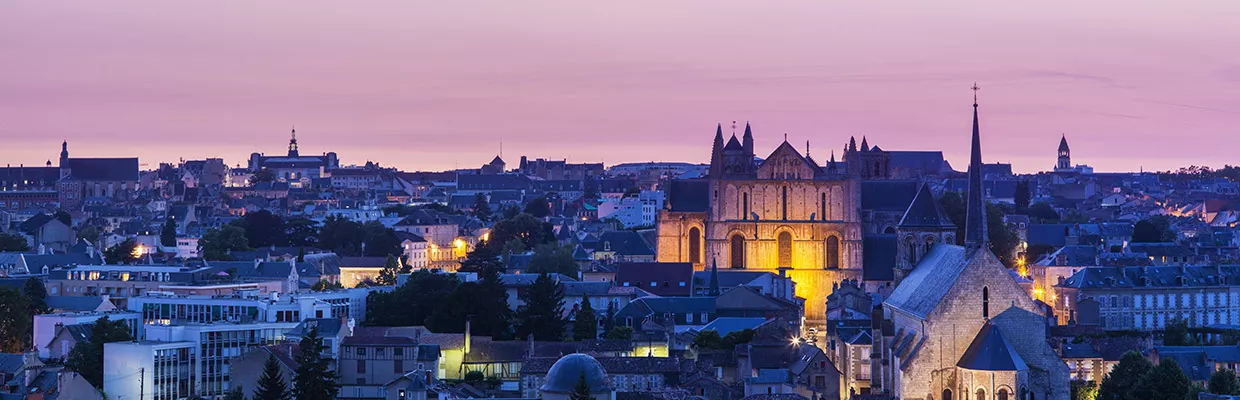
(103, 169)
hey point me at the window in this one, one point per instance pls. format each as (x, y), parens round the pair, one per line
(398, 352)
(981, 394)
(783, 201)
(398, 366)
(738, 251)
(361, 367)
(695, 245)
(744, 206)
(785, 249)
(985, 302)
(361, 352)
(832, 252)
(1003, 394)
(822, 205)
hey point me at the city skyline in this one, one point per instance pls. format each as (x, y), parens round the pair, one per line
(426, 89)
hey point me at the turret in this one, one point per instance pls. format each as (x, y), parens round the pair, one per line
(747, 140)
(716, 154)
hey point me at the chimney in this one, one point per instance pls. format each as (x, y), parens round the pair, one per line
(468, 334)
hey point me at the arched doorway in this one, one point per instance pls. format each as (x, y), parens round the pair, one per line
(737, 251)
(981, 394)
(785, 249)
(1003, 394)
(832, 252)
(947, 394)
(695, 245)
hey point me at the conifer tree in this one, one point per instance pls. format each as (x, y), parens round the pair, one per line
(586, 324)
(581, 391)
(271, 385)
(541, 314)
(314, 379)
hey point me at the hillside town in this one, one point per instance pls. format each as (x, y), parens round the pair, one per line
(876, 273)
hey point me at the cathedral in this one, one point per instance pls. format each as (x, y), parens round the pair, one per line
(786, 214)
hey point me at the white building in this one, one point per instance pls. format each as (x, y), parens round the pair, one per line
(46, 326)
(633, 211)
(187, 247)
(218, 344)
(149, 370)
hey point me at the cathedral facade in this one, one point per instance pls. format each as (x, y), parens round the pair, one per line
(788, 215)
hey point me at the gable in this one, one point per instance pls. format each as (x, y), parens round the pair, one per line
(786, 163)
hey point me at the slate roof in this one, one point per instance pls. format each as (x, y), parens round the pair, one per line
(248, 269)
(922, 290)
(990, 351)
(690, 195)
(11, 362)
(362, 262)
(327, 327)
(74, 303)
(1048, 234)
(1139, 277)
(925, 212)
(625, 243)
(669, 276)
(879, 257)
(575, 288)
(103, 169)
(929, 162)
(1160, 249)
(726, 325)
(677, 305)
(888, 195)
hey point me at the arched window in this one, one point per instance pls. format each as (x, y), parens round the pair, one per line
(695, 245)
(947, 394)
(911, 245)
(783, 200)
(833, 252)
(1003, 394)
(745, 205)
(981, 394)
(985, 302)
(785, 249)
(738, 251)
(929, 245)
(822, 203)
(890, 230)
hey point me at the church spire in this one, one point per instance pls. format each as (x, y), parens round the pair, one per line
(975, 235)
(831, 165)
(716, 153)
(292, 144)
(747, 139)
(64, 152)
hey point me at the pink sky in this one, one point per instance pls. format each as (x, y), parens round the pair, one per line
(435, 85)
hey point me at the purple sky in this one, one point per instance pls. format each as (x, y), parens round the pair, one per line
(435, 85)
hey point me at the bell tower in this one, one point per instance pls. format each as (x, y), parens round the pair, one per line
(1065, 155)
(292, 144)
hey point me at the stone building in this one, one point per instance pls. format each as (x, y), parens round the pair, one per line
(786, 213)
(960, 326)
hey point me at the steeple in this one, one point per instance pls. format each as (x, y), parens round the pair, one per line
(747, 139)
(292, 144)
(831, 165)
(64, 152)
(714, 277)
(865, 146)
(975, 235)
(716, 154)
(852, 143)
(1064, 162)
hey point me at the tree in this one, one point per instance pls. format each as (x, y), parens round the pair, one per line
(482, 209)
(89, 233)
(525, 227)
(387, 276)
(15, 321)
(586, 324)
(609, 317)
(10, 242)
(1223, 381)
(218, 244)
(324, 285)
(86, 358)
(262, 175)
(1131, 368)
(708, 339)
(1084, 390)
(64, 218)
(263, 229)
(379, 240)
(551, 258)
(538, 207)
(541, 314)
(410, 304)
(236, 393)
(1023, 196)
(342, 236)
(581, 391)
(954, 206)
(271, 385)
(1043, 213)
(168, 235)
(314, 378)
(1175, 333)
(122, 253)
(619, 332)
(1003, 238)
(301, 231)
(36, 295)
(1152, 230)
(1166, 381)
(511, 211)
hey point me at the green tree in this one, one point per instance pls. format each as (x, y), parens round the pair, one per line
(1043, 213)
(1166, 381)
(263, 229)
(609, 317)
(410, 304)
(530, 230)
(314, 378)
(709, 339)
(325, 285)
(218, 244)
(511, 211)
(301, 232)
(342, 236)
(168, 234)
(380, 240)
(387, 276)
(482, 209)
(15, 321)
(64, 218)
(122, 253)
(89, 233)
(262, 175)
(541, 315)
(1223, 381)
(1152, 231)
(10, 242)
(1003, 237)
(1083, 390)
(619, 332)
(551, 258)
(1022, 196)
(954, 206)
(271, 385)
(581, 391)
(539, 207)
(738, 337)
(1175, 333)
(86, 358)
(585, 325)
(236, 393)
(36, 295)
(1131, 368)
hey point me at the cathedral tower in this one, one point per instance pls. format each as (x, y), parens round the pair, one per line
(1065, 155)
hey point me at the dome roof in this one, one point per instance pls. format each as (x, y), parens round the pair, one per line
(565, 373)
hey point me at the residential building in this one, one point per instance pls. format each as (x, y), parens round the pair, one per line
(217, 344)
(150, 370)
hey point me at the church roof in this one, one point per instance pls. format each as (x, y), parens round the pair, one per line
(879, 257)
(888, 195)
(733, 144)
(991, 352)
(1063, 143)
(925, 211)
(922, 290)
(689, 195)
(103, 169)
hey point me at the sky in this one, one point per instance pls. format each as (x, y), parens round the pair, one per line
(435, 85)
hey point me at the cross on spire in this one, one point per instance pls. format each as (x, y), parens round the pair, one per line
(733, 128)
(975, 88)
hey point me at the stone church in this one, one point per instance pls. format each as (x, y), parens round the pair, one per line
(958, 326)
(818, 224)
